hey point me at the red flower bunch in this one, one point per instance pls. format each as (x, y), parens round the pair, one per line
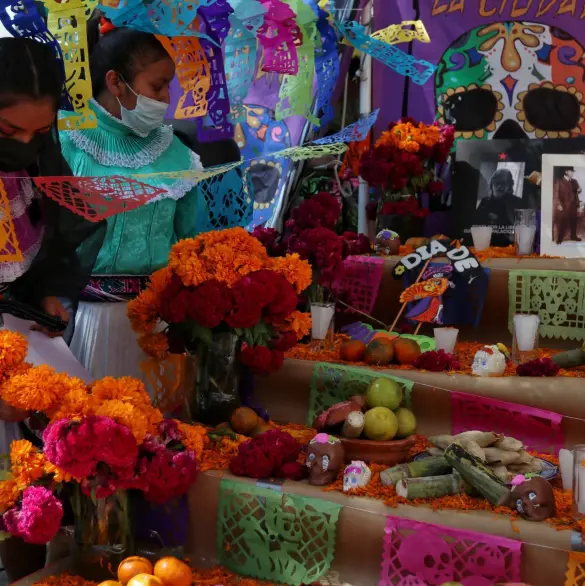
(320, 211)
(79, 447)
(403, 207)
(538, 367)
(355, 244)
(39, 517)
(437, 361)
(271, 240)
(260, 359)
(273, 453)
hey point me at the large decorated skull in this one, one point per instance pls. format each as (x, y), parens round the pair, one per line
(534, 499)
(325, 456)
(489, 361)
(512, 80)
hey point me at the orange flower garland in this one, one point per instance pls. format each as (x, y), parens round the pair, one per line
(13, 349)
(143, 312)
(410, 137)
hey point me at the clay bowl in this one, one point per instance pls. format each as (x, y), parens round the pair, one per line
(390, 453)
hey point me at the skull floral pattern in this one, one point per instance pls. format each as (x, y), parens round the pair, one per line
(512, 80)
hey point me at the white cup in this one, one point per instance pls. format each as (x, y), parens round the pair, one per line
(446, 338)
(482, 237)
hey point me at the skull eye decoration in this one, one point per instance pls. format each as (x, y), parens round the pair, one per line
(325, 458)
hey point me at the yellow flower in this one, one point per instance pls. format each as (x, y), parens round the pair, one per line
(9, 493)
(143, 312)
(26, 462)
(299, 323)
(13, 349)
(296, 271)
(155, 345)
(38, 389)
(399, 269)
(59, 476)
(126, 389)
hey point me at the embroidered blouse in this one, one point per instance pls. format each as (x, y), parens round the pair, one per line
(137, 242)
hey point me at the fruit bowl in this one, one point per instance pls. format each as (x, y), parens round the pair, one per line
(390, 452)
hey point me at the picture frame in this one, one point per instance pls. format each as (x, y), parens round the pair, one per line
(562, 227)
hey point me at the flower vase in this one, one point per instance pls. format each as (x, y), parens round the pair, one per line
(103, 531)
(405, 225)
(217, 380)
(323, 320)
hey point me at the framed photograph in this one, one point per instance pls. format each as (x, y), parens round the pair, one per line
(492, 178)
(562, 226)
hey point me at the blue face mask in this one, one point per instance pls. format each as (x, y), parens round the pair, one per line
(148, 115)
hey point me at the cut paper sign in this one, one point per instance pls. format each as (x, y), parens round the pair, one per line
(361, 280)
(97, 198)
(575, 575)
(538, 429)
(355, 132)
(405, 32)
(21, 18)
(193, 76)
(277, 37)
(423, 554)
(419, 70)
(9, 245)
(68, 23)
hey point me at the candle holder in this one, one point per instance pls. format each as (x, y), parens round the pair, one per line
(579, 482)
(524, 231)
(525, 343)
(446, 338)
(482, 237)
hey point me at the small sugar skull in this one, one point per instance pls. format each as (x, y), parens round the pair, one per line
(325, 457)
(387, 242)
(533, 499)
(356, 475)
(489, 361)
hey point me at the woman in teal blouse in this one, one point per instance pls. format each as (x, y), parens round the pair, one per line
(131, 73)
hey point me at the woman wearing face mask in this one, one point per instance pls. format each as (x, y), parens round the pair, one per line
(50, 275)
(131, 73)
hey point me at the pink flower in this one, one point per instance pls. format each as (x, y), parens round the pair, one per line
(39, 516)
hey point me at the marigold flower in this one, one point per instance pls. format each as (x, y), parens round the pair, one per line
(155, 345)
(139, 421)
(160, 280)
(299, 323)
(143, 312)
(296, 271)
(194, 438)
(75, 404)
(9, 493)
(26, 462)
(126, 388)
(38, 389)
(13, 349)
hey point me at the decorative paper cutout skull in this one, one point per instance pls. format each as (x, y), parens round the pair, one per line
(488, 561)
(387, 242)
(506, 79)
(533, 499)
(427, 556)
(325, 457)
(356, 475)
(489, 361)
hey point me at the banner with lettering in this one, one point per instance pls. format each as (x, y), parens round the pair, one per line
(505, 68)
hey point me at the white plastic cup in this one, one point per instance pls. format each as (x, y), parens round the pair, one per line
(525, 239)
(446, 338)
(566, 459)
(482, 237)
(526, 330)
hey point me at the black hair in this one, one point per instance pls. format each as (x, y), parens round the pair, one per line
(29, 69)
(126, 51)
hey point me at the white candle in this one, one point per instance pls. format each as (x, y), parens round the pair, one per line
(446, 338)
(321, 316)
(578, 481)
(525, 239)
(482, 237)
(525, 328)
(566, 459)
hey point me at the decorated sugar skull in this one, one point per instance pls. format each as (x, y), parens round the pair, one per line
(533, 498)
(325, 457)
(512, 80)
(356, 475)
(387, 242)
(489, 361)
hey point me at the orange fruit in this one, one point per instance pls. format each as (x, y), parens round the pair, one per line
(352, 351)
(406, 351)
(110, 583)
(244, 420)
(379, 352)
(173, 572)
(145, 580)
(133, 566)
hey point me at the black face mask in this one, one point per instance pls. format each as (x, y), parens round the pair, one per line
(17, 156)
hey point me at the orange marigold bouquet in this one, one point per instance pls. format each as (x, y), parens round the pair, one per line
(224, 282)
(100, 439)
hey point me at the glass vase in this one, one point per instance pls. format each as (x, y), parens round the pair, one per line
(103, 530)
(217, 380)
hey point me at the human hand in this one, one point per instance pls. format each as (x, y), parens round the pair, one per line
(8, 413)
(54, 307)
(560, 208)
